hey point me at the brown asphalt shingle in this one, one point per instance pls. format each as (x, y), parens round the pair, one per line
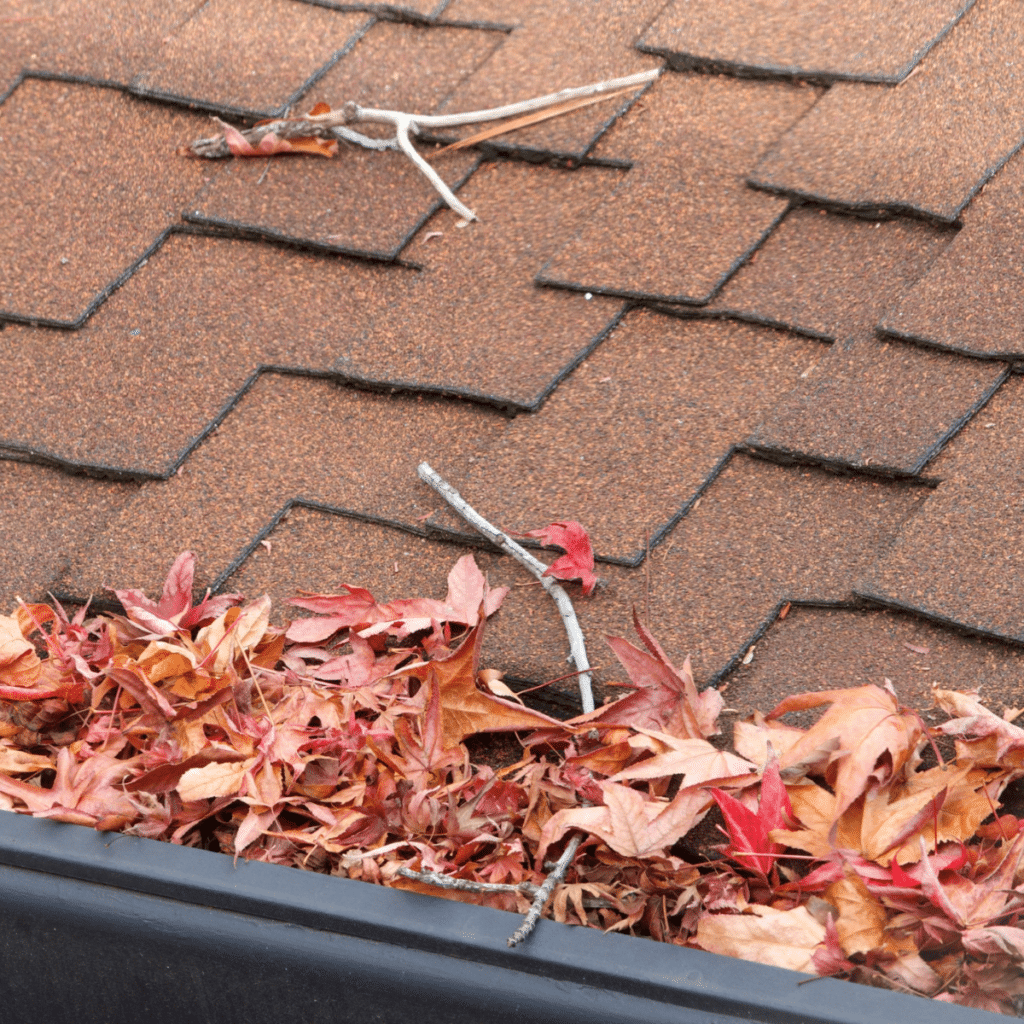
(829, 275)
(361, 201)
(628, 441)
(959, 558)
(972, 300)
(556, 44)
(102, 42)
(289, 437)
(472, 323)
(181, 337)
(825, 648)
(878, 406)
(923, 146)
(76, 222)
(249, 57)
(48, 517)
(762, 535)
(867, 41)
(683, 219)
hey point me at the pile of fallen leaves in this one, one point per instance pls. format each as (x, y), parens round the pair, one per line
(337, 745)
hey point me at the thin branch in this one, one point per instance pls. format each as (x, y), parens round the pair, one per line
(352, 113)
(465, 884)
(577, 647)
(545, 891)
(335, 124)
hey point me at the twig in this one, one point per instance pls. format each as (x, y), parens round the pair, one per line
(577, 647)
(545, 891)
(465, 884)
(335, 123)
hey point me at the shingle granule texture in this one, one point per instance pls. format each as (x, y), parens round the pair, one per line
(879, 406)
(972, 299)
(289, 438)
(628, 441)
(48, 517)
(109, 42)
(683, 219)
(866, 41)
(249, 57)
(824, 648)
(557, 44)
(959, 558)
(86, 150)
(182, 338)
(923, 146)
(828, 275)
(360, 201)
(473, 323)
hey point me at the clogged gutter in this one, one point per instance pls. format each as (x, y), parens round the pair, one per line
(337, 744)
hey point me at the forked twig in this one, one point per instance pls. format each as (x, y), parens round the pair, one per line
(576, 645)
(335, 124)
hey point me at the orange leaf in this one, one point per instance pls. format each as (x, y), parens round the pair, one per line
(781, 938)
(465, 709)
(875, 738)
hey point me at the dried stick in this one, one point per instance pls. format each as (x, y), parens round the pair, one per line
(545, 891)
(577, 647)
(335, 123)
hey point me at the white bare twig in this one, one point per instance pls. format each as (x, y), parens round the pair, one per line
(545, 891)
(465, 884)
(577, 647)
(335, 123)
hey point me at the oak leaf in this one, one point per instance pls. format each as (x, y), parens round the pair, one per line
(20, 666)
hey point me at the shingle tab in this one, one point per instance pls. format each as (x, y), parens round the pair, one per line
(473, 324)
(924, 146)
(60, 258)
(866, 41)
(182, 338)
(972, 300)
(108, 42)
(884, 407)
(361, 201)
(288, 438)
(555, 45)
(830, 276)
(959, 558)
(249, 58)
(683, 219)
(630, 439)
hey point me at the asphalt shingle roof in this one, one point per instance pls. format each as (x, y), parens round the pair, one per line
(755, 325)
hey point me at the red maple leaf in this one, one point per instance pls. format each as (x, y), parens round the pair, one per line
(578, 561)
(749, 833)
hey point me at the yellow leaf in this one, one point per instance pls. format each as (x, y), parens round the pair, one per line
(861, 921)
(781, 938)
(212, 780)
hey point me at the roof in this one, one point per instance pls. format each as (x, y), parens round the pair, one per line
(756, 325)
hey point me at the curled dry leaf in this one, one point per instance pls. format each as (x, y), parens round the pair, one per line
(578, 561)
